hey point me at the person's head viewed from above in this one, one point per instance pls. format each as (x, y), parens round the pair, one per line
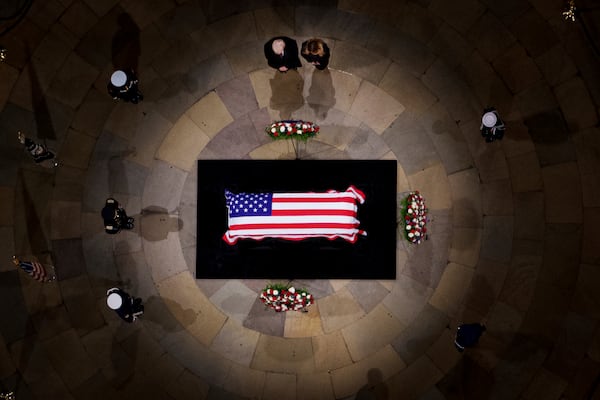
(315, 47)
(278, 46)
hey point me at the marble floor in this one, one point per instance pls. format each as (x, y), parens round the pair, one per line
(514, 231)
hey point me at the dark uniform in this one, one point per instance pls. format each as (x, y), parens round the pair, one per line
(495, 132)
(289, 59)
(467, 335)
(131, 307)
(115, 217)
(129, 92)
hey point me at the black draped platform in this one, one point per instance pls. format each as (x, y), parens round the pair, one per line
(371, 257)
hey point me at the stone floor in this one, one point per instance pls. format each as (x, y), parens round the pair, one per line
(514, 231)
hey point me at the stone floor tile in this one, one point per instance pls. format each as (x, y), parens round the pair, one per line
(10, 76)
(418, 23)
(545, 385)
(577, 106)
(546, 313)
(345, 87)
(585, 373)
(573, 340)
(519, 141)
(68, 356)
(7, 197)
(299, 324)
(51, 322)
(235, 343)
(62, 211)
(450, 45)
(525, 173)
(143, 14)
(234, 299)
(406, 133)
(535, 100)
(466, 198)
(383, 365)
(586, 296)
(245, 381)
(447, 139)
(95, 388)
(549, 133)
(534, 32)
(594, 349)
(174, 100)
(285, 355)
(452, 288)
(264, 320)
(338, 310)
(353, 59)
(77, 149)
(433, 184)
(68, 184)
(225, 34)
(486, 285)
(491, 36)
(561, 192)
(147, 138)
(181, 294)
(68, 256)
(133, 272)
(466, 243)
(443, 352)
(517, 69)
(407, 89)
(420, 334)
(331, 22)
(562, 246)
(7, 367)
(78, 18)
(555, 65)
(7, 247)
(156, 194)
(407, 299)
(315, 386)
(497, 198)
(188, 386)
(367, 293)
(81, 304)
(460, 16)
(277, 385)
(265, 28)
(497, 238)
(359, 336)
(236, 140)
(427, 261)
(503, 322)
(238, 96)
(210, 114)
(183, 144)
(590, 252)
(330, 352)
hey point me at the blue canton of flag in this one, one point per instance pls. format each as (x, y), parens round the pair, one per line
(249, 204)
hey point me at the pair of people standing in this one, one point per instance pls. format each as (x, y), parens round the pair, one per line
(282, 53)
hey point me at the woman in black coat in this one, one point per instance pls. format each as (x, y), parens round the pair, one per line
(316, 52)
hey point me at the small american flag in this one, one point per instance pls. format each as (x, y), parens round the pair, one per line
(294, 216)
(35, 269)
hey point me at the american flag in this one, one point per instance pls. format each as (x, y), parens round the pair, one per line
(35, 269)
(294, 216)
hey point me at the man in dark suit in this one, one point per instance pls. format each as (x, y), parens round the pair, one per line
(282, 53)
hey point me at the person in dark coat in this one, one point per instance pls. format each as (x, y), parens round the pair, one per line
(316, 52)
(467, 335)
(282, 53)
(115, 217)
(123, 85)
(127, 307)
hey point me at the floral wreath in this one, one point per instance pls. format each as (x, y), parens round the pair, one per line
(292, 130)
(286, 298)
(414, 217)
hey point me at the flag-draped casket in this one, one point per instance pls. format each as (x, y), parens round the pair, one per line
(294, 216)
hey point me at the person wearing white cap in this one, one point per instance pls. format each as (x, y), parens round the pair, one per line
(492, 126)
(126, 307)
(123, 85)
(282, 53)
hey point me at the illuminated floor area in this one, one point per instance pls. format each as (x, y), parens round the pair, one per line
(514, 225)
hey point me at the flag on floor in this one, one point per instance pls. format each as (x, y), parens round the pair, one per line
(294, 216)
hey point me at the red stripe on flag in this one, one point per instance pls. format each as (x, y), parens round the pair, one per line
(39, 272)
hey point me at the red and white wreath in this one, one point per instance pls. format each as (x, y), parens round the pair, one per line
(414, 213)
(286, 298)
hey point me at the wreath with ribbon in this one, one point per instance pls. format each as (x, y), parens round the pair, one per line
(292, 129)
(414, 217)
(281, 297)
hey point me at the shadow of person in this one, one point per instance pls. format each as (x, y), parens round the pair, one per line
(126, 48)
(321, 95)
(375, 389)
(286, 93)
(156, 223)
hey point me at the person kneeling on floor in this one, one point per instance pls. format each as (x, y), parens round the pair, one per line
(115, 217)
(127, 307)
